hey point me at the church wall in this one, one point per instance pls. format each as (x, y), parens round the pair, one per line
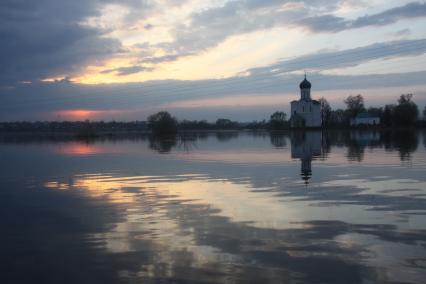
(310, 111)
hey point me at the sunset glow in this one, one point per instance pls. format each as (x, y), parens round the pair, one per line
(88, 114)
(78, 114)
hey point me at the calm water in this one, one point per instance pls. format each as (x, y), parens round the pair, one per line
(215, 208)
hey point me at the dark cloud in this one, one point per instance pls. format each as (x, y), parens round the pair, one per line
(324, 23)
(411, 10)
(331, 23)
(47, 38)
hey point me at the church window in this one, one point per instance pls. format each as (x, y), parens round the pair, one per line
(303, 108)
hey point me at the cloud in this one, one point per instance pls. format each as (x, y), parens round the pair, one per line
(122, 71)
(345, 58)
(51, 38)
(212, 26)
(324, 23)
(275, 79)
(410, 10)
(46, 38)
(331, 23)
(148, 26)
(402, 33)
(164, 58)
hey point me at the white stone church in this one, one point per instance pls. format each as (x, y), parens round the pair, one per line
(305, 112)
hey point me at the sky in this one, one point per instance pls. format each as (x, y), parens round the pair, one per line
(204, 59)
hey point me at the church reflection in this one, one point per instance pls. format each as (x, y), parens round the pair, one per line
(306, 146)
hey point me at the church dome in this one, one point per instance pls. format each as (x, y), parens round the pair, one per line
(305, 84)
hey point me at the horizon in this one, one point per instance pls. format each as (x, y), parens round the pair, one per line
(242, 59)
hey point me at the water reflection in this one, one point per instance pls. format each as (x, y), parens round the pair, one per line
(211, 209)
(162, 144)
(406, 142)
(224, 136)
(306, 146)
(279, 140)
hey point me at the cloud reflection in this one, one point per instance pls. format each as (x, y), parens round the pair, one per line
(192, 215)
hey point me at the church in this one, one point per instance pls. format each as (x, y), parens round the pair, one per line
(305, 112)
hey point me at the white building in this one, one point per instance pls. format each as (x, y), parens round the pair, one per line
(305, 112)
(365, 119)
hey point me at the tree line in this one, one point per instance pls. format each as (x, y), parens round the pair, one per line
(404, 113)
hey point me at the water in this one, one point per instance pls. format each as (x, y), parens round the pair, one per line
(342, 207)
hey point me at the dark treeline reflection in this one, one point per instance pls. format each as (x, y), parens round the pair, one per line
(405, 142)
(310, 145)
(226, 135)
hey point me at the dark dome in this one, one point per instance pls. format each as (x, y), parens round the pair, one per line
(305, 84)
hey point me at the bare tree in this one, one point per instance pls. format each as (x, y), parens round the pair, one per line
(325, 111)
(354, 105)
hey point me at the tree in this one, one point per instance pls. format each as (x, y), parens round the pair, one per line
(354, 105)
(406, 112)
(387, 117)
(375, 111)
(162, 123)
(224, 123)
(337, 117)
(325, 111)
(278, 121)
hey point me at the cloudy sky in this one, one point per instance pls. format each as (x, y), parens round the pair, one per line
(203, 59)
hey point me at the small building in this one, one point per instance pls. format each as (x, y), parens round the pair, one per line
(365, 119)
(305, 112)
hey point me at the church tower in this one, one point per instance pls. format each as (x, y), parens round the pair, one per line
(305, 90)
(305, 112)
